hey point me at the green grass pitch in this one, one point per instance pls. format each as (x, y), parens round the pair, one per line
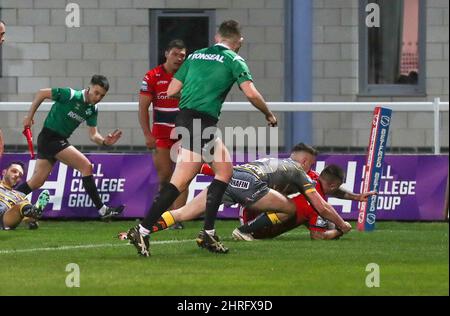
(413, 259)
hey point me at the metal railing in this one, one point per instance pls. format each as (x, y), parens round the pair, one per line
(435, 107)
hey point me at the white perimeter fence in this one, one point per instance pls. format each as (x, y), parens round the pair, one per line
(435, 107)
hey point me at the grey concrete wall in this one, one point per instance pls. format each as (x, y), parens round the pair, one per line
(114, 40)
(336, 76)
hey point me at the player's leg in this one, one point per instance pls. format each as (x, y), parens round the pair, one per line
(165, 167)
(42, 170)
(223, 169)
(287, 223)
(14, 216)
(41, 203)
(190, 211)
(75, 159)
(274, 201)
(187, 167)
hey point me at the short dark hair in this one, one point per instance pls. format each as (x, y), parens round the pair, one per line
(176, 43)
(3, 22)
(333, 173)
(16, 162)
(305, 148)
(99, 80)
(230, 29)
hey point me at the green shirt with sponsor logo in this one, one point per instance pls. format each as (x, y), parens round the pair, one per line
(208, 75)
(69, 111)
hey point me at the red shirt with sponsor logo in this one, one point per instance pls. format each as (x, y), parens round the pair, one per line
(165, 110)
(305, 212)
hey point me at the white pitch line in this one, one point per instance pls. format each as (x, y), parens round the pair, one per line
(5, 252)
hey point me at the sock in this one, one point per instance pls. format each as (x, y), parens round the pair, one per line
(166, 220)
(258, 223)
(168, 194)
(211, 232)
(25, 209)
(91, 190)
(102, 211)
(213, 201)
(274, 218)
(143, 231)
(24, 188)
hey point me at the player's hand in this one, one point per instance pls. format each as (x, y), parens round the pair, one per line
(150, 141)
(113, 137)
(363, 197)
(345, 228)
(27, 122)
(272, 120)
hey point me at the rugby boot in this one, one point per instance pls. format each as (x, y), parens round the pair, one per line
(140, 242)
(213, 244)
(112, 212)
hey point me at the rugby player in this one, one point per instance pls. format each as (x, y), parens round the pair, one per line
(70, 109)
(329, 183)
(205, 77)
(154, 91)
(14, 206)
(257, 185)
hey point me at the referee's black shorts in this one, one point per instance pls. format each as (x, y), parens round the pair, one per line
(197, 130)
(49, 144)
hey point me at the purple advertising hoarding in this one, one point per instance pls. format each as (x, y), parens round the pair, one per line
(413, 187)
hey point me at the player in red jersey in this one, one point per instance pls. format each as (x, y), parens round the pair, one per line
(154, 91)
(328, 183)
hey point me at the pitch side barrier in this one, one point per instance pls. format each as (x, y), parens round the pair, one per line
(435, 107)
(411, 187)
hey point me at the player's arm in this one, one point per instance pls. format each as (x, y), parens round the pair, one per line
(109, 140)
(39, 97)
(327, 211)
(326, 235)
(174, 89)
(257, 100)
(145, 100)
(343, 194)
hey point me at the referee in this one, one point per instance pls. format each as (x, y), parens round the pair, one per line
(205, 77)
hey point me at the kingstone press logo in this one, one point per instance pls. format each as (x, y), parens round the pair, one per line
(371, 218)
(385, 120)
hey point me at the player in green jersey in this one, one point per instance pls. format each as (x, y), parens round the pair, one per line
(71, 108)
(205, 77)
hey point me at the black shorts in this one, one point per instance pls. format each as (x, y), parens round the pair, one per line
(196, 130)
(244, 188)
(50, 143)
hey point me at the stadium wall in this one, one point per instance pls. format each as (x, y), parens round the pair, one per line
(336, 78)
(114, 40)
